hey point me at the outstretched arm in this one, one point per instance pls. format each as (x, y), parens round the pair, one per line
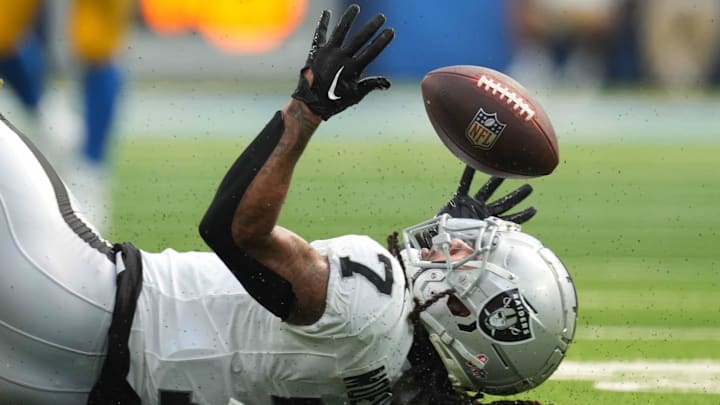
(254, 228)
(240, 223)
(258, 210)
(277, 267)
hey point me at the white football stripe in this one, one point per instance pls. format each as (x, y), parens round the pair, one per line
(595, 332)
(699, 376)
(513, 98)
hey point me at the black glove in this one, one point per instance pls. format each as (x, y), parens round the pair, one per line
(337, 68)
(461, 205)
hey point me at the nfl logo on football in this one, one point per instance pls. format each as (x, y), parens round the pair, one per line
(484, 129)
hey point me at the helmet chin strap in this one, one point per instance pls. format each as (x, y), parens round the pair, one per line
(457, 376)
(443, 341)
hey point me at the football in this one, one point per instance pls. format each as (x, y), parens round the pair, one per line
(490, 121)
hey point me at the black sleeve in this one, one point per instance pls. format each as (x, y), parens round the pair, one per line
(264, 285)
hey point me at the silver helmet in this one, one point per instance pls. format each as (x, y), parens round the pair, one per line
(511, 315)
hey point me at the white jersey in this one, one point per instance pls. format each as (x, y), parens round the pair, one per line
(198, 333)
(57, 283)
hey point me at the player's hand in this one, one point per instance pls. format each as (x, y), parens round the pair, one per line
(337, 64)
(462, 205)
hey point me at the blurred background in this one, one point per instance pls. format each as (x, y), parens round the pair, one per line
(143, 104)
(576, 55)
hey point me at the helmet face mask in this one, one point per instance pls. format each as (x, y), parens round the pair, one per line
(512, 312)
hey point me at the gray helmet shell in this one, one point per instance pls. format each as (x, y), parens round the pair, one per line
(521, 299)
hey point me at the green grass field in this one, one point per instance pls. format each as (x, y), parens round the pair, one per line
(636, 224)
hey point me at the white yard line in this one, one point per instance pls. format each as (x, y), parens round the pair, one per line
(594, 332)
(698, 376)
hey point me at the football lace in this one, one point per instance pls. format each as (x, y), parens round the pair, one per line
(520, 105)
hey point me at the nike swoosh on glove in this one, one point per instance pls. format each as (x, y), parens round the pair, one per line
(337, 64)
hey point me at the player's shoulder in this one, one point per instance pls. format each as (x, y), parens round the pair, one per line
(363, 265)
(347, 244)
(366, 290)
(170, 260)
(187, 273)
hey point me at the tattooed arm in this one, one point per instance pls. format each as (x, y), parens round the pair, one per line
(277, 267)
(254, 226)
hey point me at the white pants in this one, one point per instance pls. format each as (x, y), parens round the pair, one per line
(57, 284)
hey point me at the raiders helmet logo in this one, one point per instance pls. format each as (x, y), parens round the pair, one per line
(506, 318)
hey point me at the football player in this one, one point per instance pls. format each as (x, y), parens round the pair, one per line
(268, 318)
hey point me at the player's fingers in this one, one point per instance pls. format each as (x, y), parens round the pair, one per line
(367, 31)
(376, 46)
(488, 188)
(510, 200)
(465, 180)
(520, 217)
(342, 28)
(321, 29)
(319, 36)
(369, 84)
